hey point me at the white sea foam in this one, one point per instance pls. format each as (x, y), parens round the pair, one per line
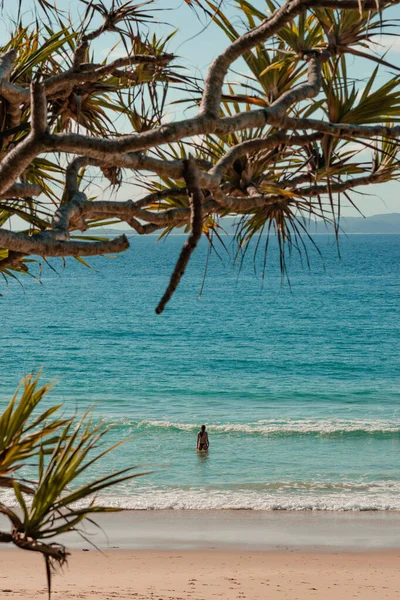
(339, 496)
(286, 426)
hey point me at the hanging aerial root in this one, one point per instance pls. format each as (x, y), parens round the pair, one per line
(196, 199)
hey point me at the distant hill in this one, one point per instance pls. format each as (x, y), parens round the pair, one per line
(384, 223)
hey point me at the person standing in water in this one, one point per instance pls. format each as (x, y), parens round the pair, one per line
(203, 442)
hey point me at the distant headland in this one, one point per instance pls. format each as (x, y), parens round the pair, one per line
(383, 223)
(386, 223)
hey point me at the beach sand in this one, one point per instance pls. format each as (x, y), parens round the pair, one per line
(189, 555)
(197, 575)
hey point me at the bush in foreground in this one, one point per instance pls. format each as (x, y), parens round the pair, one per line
(58, 451)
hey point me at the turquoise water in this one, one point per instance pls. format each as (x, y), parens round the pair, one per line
(299, 388)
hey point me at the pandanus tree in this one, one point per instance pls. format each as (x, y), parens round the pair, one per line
(285, 144)
(43, 457)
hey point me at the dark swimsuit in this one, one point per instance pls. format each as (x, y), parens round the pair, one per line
(203, 445)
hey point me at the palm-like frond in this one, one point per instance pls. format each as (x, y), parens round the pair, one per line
(51, 509)
(63, 450)
(23, 435)
(345, 103)
(351, 30)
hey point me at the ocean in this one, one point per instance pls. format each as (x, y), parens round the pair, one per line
(298, 384)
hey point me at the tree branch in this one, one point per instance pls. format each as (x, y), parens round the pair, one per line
(13, 261)
(214, 81)
(91, 72)
(317, 190)
(44, 245)
(213, 84)
(343, 130)
(132, 160)
(21, 190)
(160, 195)
(7, 61)
(307, 90)
(246, 203)
(257, 144)
(14, 93)
(79, 73)
(103, 148)
(5, 538)
(20, 157)
(196, 198)
(54, 551)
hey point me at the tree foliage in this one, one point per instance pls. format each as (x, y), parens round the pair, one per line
(293, 137)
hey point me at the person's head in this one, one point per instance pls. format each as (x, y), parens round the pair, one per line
(203, 428)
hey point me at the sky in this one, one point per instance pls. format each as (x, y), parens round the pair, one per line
(197, 42)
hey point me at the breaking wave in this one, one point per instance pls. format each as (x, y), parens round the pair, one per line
(283, 427)
(290, 496)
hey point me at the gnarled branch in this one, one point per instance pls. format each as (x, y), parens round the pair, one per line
(21, 190)
(44, 244)
(196, 198)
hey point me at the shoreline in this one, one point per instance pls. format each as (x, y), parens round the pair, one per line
(205, 555)
(247, 531)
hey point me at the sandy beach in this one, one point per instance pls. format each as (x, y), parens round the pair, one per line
(204, 555)
(198, 575)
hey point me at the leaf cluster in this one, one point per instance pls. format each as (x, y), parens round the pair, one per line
(61, 451)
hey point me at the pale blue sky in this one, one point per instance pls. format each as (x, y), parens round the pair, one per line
(198, 42)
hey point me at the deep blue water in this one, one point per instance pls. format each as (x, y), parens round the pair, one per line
(299, 387)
